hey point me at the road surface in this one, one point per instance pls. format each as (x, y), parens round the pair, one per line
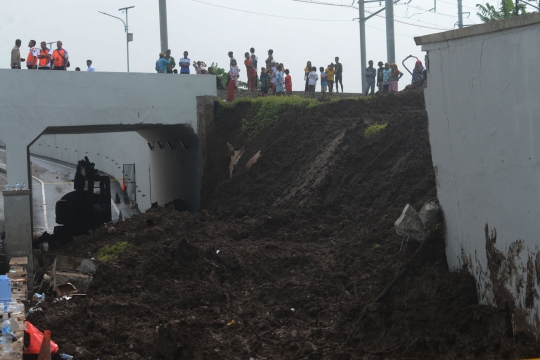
(54, 179)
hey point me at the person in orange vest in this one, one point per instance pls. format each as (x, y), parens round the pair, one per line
(31, 59)
(44, 57)
(60, 57)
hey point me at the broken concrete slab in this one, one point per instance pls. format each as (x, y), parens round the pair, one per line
(430, 214)
(409, 224)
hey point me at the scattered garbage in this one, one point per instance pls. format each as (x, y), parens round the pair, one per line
(292, 309)
(232, 322)
(217, 252)
(35, 338)
(7, 343)
(430, 214)
(65, 290)
(253, 160)
(66, 357)
(410, 225)
(44, 246)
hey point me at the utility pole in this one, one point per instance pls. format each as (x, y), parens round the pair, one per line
(362, 22)
(390, 38)
(163, 25)
(460, 14)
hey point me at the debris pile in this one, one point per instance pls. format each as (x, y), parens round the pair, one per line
(294, 257)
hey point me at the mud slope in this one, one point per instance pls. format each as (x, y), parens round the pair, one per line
(294, 259)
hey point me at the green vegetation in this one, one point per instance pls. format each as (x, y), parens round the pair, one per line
(507, 9)
(373, 130)
(111, 253)
(221, 73)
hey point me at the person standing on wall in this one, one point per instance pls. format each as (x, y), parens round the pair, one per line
(270, 59)
(44, 56)
(232, 86)
(380, 75)
(90, 67)
(339, 75)
(386, 77)
(255, 59)
(31, 59)
(16, 55)
(60, 57)
(288, 83)
(307, 70)
(184, 63)
(395, 75)
(330, 73)
(312, 81)
(250, 71)
(280, 81)
(161, 64)
(171, 61)
(370, 74)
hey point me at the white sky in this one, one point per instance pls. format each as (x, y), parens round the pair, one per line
(209, 32)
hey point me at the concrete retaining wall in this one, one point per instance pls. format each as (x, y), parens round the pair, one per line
(484, 113)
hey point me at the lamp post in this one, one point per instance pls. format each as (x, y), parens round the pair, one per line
(129, 37)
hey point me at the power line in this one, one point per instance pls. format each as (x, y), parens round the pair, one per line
(277, 16)
(434, 26)
(468, 7)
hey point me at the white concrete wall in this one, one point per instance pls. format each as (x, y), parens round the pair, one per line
(32, 101)
(484, 122)
(36, 102)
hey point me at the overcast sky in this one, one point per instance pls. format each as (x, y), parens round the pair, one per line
(209, 32)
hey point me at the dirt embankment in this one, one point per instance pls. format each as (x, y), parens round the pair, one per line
(294, 259)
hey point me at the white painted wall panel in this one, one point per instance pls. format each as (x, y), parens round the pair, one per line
(484, 123)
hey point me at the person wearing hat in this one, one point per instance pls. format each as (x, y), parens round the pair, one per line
(172, 62)
(380, 76)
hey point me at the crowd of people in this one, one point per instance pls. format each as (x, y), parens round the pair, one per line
(273, 78)
(387, 76)
(43, 58)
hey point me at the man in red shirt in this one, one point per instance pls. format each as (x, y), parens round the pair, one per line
(288, 83)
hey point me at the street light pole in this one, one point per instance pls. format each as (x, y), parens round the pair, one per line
(126, 28)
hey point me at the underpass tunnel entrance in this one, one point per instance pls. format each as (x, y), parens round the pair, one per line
(145, 163)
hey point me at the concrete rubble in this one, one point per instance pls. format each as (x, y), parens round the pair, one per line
(409, 224)
(430, 215)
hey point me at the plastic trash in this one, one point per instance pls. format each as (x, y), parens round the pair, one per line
(66, 357)
(232, 322)
(293, 309)
(6, 335)
(35, 338)
(217, 252)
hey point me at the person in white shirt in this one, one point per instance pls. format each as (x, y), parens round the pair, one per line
(44, 57)
(312, 81)
(90, 67)
(184, 64)
(31, 59)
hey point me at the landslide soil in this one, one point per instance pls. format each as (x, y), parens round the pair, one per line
(294, 259)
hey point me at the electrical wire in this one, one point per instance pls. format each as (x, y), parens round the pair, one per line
(433, 26)
(277, 16)
(447, 2)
